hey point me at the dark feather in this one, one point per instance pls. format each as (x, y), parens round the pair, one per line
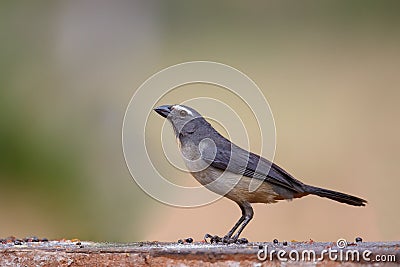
(239, 161)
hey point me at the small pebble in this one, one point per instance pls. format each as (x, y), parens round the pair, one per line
(78, 243)
(284, 243)
(275, 241)
(189, 240)
(260, 247)
(180, 241)
(35, 239)
(243, 240)
(358, 239)
(81, 246)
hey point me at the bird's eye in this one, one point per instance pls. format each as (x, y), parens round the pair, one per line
(183, 113)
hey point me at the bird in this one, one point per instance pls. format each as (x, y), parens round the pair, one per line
(229, 170)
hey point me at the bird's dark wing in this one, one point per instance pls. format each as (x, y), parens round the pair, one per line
(239, 161)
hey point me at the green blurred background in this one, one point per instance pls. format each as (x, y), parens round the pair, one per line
(329, 69)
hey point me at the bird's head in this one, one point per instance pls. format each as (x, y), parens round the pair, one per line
(185, 120)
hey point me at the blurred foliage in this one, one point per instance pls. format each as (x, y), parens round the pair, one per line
(32, 156)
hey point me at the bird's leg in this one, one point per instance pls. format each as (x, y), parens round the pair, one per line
(247, 214)
(238, 223)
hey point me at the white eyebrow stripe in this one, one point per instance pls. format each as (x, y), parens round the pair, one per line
(183, 108)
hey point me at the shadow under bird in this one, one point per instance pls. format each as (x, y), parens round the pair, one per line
(228, 170)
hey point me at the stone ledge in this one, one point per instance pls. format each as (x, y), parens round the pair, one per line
(67, 253)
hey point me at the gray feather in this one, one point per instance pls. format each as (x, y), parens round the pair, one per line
(232, 158)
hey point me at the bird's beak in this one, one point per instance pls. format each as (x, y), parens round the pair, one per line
(163, 110)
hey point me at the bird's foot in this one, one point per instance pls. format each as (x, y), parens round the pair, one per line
(214, 239)
(242, 240)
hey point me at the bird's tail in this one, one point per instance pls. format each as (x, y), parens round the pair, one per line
(337, 196)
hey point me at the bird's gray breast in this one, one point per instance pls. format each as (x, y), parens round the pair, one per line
(193, 154)
(223, 182)
(214, 179)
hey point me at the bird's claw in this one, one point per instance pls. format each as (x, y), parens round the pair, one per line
(214, 239)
